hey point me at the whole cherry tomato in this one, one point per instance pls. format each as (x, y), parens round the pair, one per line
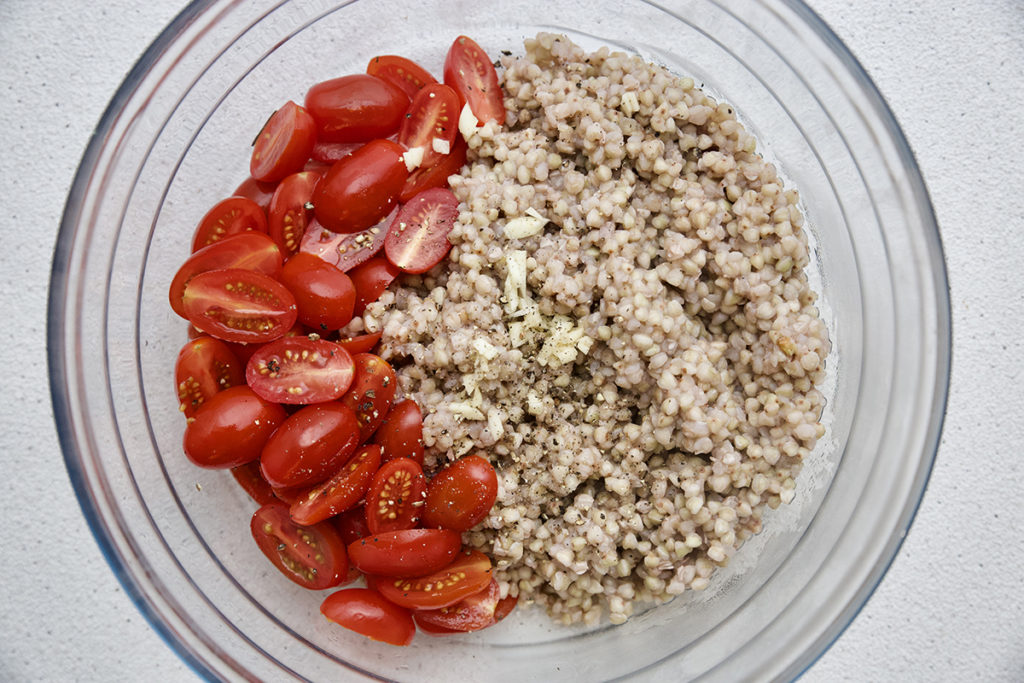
(230, 428)
(460, 496)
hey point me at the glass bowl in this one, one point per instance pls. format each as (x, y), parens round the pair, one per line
(175, 139)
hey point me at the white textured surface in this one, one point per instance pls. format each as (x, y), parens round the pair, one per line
(951, 607)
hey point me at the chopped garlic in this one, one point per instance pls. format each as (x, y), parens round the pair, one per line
(494, 423)
(440, 146)
(525, 226)
(485, 348)
(463, 409)
(560, 346)
(515, 280)
(467, 122)
(413, 157)
(585, 343)
(630, 103)
(534, 406)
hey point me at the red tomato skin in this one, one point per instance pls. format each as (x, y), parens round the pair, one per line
(370, 280)
(260, 193)
(288, 215)
(362, 343)
(433, 114)
(401, 433)
(239, 305)
(351, 524)
(309, 445)
(343, 491)
(356, 108)
(437, 175)
(204, 367)
(361, 189)
(372, 392)
(418, 238)
(469, 70)
(231, 428)
(300, 371)
(248, 251)
(401, 72)
(470, 573)
(325, 296)
(332, 152)
(471, 614)
(460, 496)
(505, 607)
(231, 216)
(295, 549)
(366, 612)
(284, 144)
(405, 553)
(252, 482)
(395, 497)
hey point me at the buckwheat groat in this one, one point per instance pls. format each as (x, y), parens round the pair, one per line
(624, 328)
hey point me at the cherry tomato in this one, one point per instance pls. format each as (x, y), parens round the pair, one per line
(418, 238)
(460, 496)
(300, 370)
(356, 108)
(311, 556)
(469, 70)
(505, 607)
(437, 175)
(345, 251)
(360, 190)
(368, 613)
(231, 216)
(231, 428)
(252, 482)
(370, 280)
(324, 295)
(248, 251)
(394, 500)
(360, 344)
(470, 573)
(256, 191)
(288, 494)
(331, 152)
(401, 433)
(351, 524)
(406, 552)
(342, 491)
(310, 445)
(372, 391)
(239, 305)
(432, 121)
(470, 614)
(290, 212)
(284, 144)
(405, 73)
(205, 366)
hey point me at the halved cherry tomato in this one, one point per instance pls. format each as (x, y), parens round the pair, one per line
(371, 279)
(256, 191)
(342, 491)
(405, 73)
(418, 238)
(323, 294)
(239, 305)
(331, 152)
(360, 190)
(470, 573)
(470, 614)
(205, 366)
(310, 445)
(284, 144)
(436, 176)
(311, 556)
(252, 482)
(368, 613)
(401, 433)
(406, 552)
(361, 343)
(505, 607)
(460, 496)
(395, 498)
(351, 524)
(231, 216)
(469, 70)
(346, 251)
(432, 123)
(300, 370)
(372, 391)
(356, 108)
(291, 210)
(248, 251)
(288, 494)
(231, 428)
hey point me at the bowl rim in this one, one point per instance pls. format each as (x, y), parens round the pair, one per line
(58, 369)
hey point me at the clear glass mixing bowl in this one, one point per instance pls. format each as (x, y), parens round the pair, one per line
(176, 138)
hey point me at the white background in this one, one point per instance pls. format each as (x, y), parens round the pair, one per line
(951, 607)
